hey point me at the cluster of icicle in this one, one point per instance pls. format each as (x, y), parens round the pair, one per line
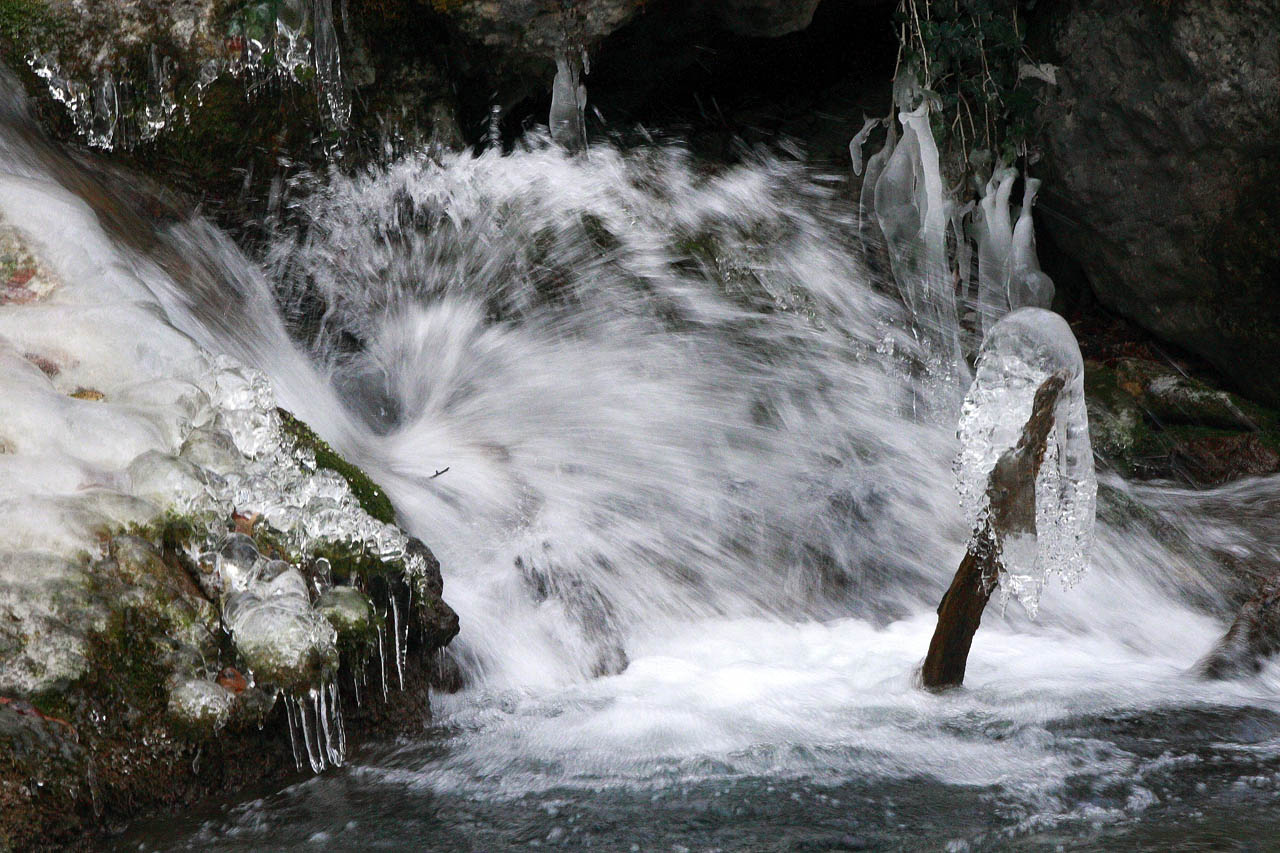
(113, 111)
(930, 238)
(930, 235)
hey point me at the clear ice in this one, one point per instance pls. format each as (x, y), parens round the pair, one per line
(1019, 353)
(1028, 286)
(568, 105)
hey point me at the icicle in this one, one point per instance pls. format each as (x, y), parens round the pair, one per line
(382, 663)
(328, 64)
(395, 633)
(335, 708)
(568, 105)
(956, 215)
(938, 296)
(314, 753)
(1028, 285)
(994, 247)
(495, 128)
(324, 713)
(106, 112)
(858, 141)
(875, 168)
(293, 738)
(897, 214)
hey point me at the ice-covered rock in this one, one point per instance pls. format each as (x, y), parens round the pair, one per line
(278, 634)
(201, 704)
(1020, 352)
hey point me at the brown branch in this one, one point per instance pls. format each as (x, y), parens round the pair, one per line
(1011, 495)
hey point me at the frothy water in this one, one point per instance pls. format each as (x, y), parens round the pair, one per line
(663, 428)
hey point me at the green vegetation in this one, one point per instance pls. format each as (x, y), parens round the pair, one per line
(24, 23)
(372, 499)
(969, 53)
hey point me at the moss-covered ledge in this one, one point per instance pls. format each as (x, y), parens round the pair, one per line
(1151, 420)
(372, 498)
(161, 704)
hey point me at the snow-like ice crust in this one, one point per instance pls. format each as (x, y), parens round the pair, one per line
(112, 417)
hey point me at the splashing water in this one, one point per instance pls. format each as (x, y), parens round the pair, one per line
(679, 425)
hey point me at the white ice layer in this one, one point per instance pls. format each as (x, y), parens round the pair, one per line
(1019, 353)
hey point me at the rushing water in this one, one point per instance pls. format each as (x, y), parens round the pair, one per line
(695, 511)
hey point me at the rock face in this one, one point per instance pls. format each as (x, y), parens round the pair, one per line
(1163, 151)
(530, 32)
(537, 27)
(770, 18)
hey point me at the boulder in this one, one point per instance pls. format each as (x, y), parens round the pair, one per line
(1162, 155)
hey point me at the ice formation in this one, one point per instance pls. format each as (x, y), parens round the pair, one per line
(875, 168)
(1018, 354)
(114, 418)
(930, 236)
(568, 105)
(1028, 286)
(995, 243)
(126, 102)
(859, 140)
(914, 210)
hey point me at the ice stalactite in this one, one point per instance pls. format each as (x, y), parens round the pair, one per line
(859, 140)
(931, 236)
(315, 719)
(327, 59)
(568, 104)
(875, 168)
(913, 209)
(898, 215)
(1019, 353)
(994, 247)
(936, 287)
(1028, 285)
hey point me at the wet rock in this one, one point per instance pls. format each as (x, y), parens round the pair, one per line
(1252, 639)
(1162, 153)
(200, 704)
(1152, 420)
(535, 28)
(765, 17)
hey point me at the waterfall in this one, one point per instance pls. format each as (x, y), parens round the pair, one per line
(661, 426)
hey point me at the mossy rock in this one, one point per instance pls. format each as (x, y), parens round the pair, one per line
(371, 497)
(1152, 421)
(28, 24)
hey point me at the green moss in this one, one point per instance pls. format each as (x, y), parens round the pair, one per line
(351, 562)
(372, 499)
(27, 24)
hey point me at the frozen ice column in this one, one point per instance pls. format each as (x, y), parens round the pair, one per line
(568, 105)
(1019, 353)
(1028, 285)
